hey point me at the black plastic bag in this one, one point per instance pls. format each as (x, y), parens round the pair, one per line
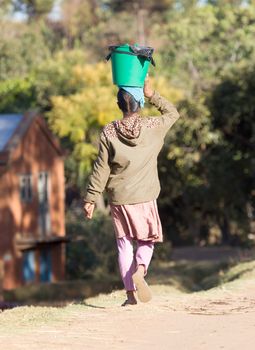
(141, 51)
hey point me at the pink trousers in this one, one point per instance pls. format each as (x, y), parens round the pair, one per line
(128, 261)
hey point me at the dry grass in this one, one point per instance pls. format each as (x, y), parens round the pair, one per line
(170, 279)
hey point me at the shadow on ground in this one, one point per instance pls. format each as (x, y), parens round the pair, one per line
(195, 269)
(186, 275)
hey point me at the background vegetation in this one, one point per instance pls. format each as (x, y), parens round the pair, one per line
(53, 60)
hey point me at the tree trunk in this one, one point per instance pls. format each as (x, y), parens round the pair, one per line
(224, 227)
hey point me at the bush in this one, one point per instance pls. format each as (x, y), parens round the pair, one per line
(92, 250)
(163, 251)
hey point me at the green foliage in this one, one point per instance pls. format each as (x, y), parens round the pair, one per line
(231, 163)
(93, 249)
(133, 5)
(233, 108)
(79, 16)
(203, 55)
(54, 77)
(206, 163)
(162, 251)
(17, 95)
(221, 3)
(34, 8)
(5, 6)
(198, 57)
(79, 116)
(22, 48)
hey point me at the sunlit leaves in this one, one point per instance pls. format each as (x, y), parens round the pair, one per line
(81, 115)
(201, 45)
(17, 95)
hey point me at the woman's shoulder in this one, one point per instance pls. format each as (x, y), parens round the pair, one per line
(150, 122)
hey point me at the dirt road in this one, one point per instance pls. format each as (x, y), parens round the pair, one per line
(223, 318)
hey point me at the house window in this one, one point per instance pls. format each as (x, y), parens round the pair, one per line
(43, 198)
(26, 188)
(43, 186)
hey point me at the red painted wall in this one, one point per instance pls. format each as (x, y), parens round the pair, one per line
(34, 154)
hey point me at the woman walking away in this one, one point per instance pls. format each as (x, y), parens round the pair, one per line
(127, 168)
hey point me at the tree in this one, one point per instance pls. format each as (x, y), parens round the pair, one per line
(233, 110)
(133, 5)
(79, 18)
(34, 8)
(221, 3)
(198, 57)
(22, 48)
(206, 165)
(202, 177)
(5, 6)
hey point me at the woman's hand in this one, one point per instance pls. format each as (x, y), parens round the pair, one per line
(88, 210)
(147, 90)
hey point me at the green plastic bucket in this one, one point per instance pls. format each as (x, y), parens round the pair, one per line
(129, 64)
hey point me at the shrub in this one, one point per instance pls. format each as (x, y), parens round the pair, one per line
(92, 250)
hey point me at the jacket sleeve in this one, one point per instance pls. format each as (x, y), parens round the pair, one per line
(169, 113)
(100, 173)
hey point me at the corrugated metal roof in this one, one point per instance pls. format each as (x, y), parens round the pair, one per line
(8, 124)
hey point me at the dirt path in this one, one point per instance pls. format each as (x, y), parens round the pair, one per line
(218, 319)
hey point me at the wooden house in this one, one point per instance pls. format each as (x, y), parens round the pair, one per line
(32, 229)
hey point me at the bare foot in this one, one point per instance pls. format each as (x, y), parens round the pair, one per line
(131, 299)
(129, 302)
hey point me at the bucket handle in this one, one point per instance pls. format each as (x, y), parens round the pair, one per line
(132, 54)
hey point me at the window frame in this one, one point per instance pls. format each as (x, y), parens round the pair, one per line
(26, 192)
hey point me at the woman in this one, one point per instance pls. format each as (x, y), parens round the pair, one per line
(127, 168)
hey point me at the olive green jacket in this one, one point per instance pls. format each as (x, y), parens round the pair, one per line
(126, 165)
